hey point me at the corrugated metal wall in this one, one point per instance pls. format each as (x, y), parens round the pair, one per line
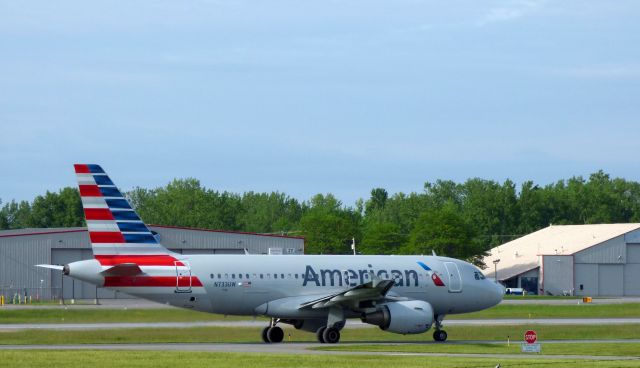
(611, 268)
(558, 274)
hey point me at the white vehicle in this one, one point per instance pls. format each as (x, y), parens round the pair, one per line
(317, 293)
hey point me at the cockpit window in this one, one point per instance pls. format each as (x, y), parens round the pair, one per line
(478, 275)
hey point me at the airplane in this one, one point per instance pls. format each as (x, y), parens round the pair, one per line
(315, 293)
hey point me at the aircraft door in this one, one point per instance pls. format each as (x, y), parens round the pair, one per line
(183, 277)
(455, 281)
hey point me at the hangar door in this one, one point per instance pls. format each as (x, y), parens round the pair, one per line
(632, 271)
(610, 278)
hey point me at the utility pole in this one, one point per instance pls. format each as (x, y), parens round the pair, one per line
(353, 246)
(495, 263)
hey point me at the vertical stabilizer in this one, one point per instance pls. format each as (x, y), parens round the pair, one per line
(117, 233)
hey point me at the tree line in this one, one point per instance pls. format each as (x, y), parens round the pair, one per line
(461, 220)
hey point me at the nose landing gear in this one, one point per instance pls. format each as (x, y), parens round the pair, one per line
(439, 334)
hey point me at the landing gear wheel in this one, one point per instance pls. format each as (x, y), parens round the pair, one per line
(275, 334)
(440, 335)
(265, 331)
(320, 334)
(331, 335)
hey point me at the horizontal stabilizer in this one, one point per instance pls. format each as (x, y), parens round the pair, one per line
(123, 269)
(53, 267)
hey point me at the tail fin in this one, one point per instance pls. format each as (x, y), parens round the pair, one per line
(117, 233)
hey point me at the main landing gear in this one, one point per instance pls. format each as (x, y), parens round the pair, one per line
(272, 333)
(328, 335)
(439, 334)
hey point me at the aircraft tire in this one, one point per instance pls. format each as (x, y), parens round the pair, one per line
(320, 334)
(331, 335)
(275, 334)
(265, 337)
(440, 335)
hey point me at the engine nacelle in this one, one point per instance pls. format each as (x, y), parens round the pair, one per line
(88, 270)
(406, 317)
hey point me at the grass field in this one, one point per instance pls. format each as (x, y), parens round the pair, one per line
(141, 359)
(611, 349)
(227, 334)
(555, 311)
(71, 315)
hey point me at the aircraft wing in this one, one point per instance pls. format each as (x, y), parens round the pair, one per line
(374, 290)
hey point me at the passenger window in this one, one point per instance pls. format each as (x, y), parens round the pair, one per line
(282, 275)
(247, 275)
(239, 275)
(296, 275)
(226, 275)
(211, 275)
(275, 275)
(261, 276)
(219, 276)
(233, 275)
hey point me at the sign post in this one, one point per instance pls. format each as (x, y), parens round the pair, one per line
(530, 344)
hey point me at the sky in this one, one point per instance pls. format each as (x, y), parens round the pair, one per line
(308, 97)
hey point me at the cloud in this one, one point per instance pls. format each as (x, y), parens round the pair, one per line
(511, 11)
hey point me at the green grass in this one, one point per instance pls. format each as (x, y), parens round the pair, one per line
(627, 310)
(540, 297)
(71, 315)
(611, 349)
(142, 359)
(228, 334)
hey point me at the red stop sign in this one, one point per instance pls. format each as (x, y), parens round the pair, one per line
(530, 336)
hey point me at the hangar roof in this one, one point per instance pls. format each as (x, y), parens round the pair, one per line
(523, 254)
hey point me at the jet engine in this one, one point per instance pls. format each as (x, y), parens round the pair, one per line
(405, 317)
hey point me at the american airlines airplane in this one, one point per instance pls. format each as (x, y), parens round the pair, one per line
(316, 293)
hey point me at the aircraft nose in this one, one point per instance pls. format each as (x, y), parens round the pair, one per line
(497, 292)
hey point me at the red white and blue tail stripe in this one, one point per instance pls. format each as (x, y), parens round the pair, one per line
(120, 238)
(114, 227)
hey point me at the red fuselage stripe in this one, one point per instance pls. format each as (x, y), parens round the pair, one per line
(151, 281)
(140, 260)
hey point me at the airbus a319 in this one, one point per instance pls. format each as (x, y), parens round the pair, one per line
(316, 293)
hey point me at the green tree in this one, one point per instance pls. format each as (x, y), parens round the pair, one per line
(328, 227)
(445, 232)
